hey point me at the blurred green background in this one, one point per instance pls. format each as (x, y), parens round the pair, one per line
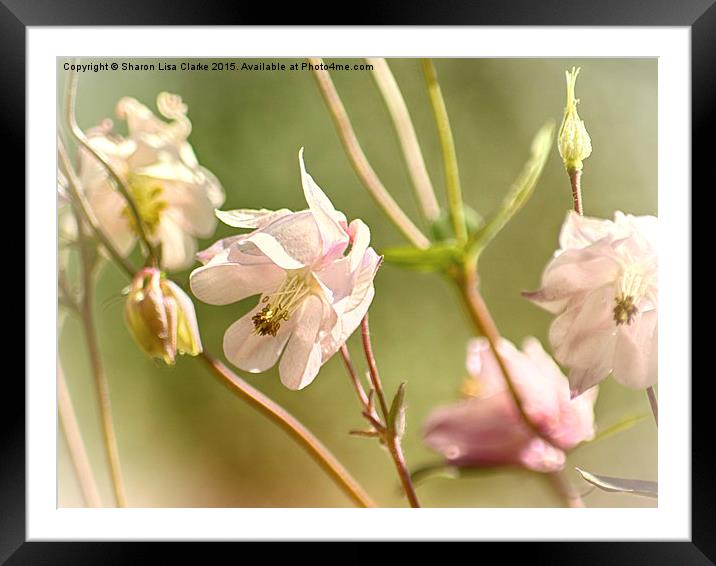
(186, 441)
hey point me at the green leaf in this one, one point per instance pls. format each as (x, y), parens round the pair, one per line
(431, 471)
(621, 485)
(435, 258)
(520, 191)
(620, 426)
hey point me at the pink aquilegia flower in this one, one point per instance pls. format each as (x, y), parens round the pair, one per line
(602, 287)
(314, 290)
(486, 429)
(175, 196)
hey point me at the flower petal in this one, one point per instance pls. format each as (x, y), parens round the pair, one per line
(360, 239)
(540, 456)
(575, 272)
(292, 242)
(251, 352)
(581, 231)
(635, 355)
(250, 218)
(478, 432)
(190, 207)
(301, 361)
(222, 283)
(205, 256)
(327, 218)
(178, 247)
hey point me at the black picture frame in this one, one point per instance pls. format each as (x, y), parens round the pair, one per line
(699, 15)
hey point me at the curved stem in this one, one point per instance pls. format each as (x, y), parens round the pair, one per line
(76, 445)
(360, 163)
(293, 427)
(407, 137)
(651, 394)
(392, 440)
(452, 174)
(119, 183)
(575, 179)
(355, 381)
(105, 406)
(484, 324)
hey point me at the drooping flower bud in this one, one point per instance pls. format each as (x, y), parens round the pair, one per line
(161, 317)
(573, 142)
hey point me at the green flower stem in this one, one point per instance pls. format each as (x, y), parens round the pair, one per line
(392, 439)
(100, 379)
(360, 163)
(75, 443)
(452, 174)
(408, 139)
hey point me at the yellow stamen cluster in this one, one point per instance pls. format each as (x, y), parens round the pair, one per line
(625, 310)
(630, 288)
(280, 305)
(147, 197)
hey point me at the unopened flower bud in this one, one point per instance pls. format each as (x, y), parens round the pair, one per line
(573, 142)
(161, 317)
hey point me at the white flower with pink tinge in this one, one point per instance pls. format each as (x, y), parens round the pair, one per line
(488, 430)
(314, 289)
(602, 287)
(174, 195)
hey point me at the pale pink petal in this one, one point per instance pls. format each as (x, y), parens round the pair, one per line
(251, 352)
(205, 256)
(541, 456)
(222, 283)
(251, 218)
(575, 272)
(584, 334)
(292, 242)
(360, 239)
(178, 247)
(477, 432)
(635, 355)
(327, 218)
(190, 207)
(109, 209)
(576, 422)
(301, 361)
(581, 231)
(582, 380)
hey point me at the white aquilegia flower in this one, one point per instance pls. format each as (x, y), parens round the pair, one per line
(175, 196)
(314, 272)
(602, 287)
